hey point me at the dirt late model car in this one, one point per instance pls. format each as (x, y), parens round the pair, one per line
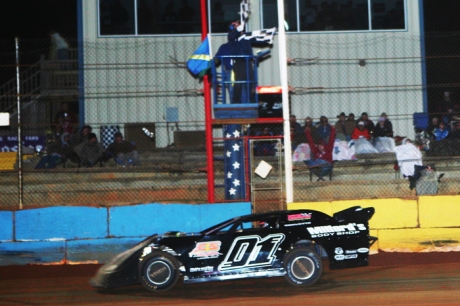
(283, 243)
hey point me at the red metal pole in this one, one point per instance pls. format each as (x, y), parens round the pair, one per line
(208, 111)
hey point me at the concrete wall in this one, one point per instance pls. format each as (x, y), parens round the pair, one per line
(424, 224)
(71, 235)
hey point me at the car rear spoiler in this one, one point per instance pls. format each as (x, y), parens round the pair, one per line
(355, 214)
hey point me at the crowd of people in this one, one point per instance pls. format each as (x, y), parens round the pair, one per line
(365, 136)
(83, 147)
(346, 128)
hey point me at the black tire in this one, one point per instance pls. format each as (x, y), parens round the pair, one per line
(159, 271)
(303, 267)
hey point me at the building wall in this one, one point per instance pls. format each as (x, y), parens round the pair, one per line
(140, 90)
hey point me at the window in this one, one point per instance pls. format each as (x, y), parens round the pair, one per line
(149, 17)
(270, 14)
(337, 15)
(223, 13)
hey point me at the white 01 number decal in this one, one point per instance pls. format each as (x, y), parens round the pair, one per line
(249, 251)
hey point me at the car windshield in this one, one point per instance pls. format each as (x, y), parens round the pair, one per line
(243, 223)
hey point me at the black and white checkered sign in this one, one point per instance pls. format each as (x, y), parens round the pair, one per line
(107, 134)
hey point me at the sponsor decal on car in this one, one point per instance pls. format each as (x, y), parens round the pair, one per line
(331, 230)
(202, 269)
(205, 250)
(345, 257)
(251, 251)
(350, 252)
(146, 251)
(363, 250)
(297, 224)
(303, 216)
(338, 251)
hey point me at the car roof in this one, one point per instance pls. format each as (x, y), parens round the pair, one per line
(279, 213)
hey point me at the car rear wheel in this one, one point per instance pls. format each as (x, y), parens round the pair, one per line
(303, 267)
(159, 271)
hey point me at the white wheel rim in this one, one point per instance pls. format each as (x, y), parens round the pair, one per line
(158, 273)
(302, 267)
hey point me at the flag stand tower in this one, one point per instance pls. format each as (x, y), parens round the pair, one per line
(237, 103)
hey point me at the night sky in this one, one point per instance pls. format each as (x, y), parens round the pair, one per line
(35, 18)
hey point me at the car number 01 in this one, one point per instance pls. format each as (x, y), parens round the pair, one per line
(253, 245)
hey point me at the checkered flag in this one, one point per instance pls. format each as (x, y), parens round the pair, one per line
(261, 36)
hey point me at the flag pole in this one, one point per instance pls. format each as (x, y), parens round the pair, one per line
(208, 111)
(285, 99)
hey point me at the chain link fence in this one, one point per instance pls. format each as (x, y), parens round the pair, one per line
(141, 88)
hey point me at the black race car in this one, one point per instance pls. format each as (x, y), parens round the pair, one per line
(283, 243)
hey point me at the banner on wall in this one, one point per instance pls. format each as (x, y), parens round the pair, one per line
(10, 143)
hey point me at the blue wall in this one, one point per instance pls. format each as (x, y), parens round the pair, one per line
(94, 235)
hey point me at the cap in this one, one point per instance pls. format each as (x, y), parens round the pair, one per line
(361, 123)
(341, 114)
(383, 114)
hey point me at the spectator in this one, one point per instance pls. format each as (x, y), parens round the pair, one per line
(293, 123)
(264, 147)
(324, 129)
(58, 152)
(82, 136)
(455, 133)
(361, 132)
(59, 47)
(388, 123)
(431, 127)
(351, 118)
(321, 155)
(344, 128)
(368, 124)
(64, 120)
(124, 152)
(308, 125)
(441, 131)
(408, 156)
(382, 135)
(383, 128)
(91, 151)
(446, 108)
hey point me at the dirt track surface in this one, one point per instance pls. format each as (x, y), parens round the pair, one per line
(391, 278)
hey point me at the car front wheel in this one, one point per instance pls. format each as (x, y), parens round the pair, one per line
(303, 267)
(159, 271)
